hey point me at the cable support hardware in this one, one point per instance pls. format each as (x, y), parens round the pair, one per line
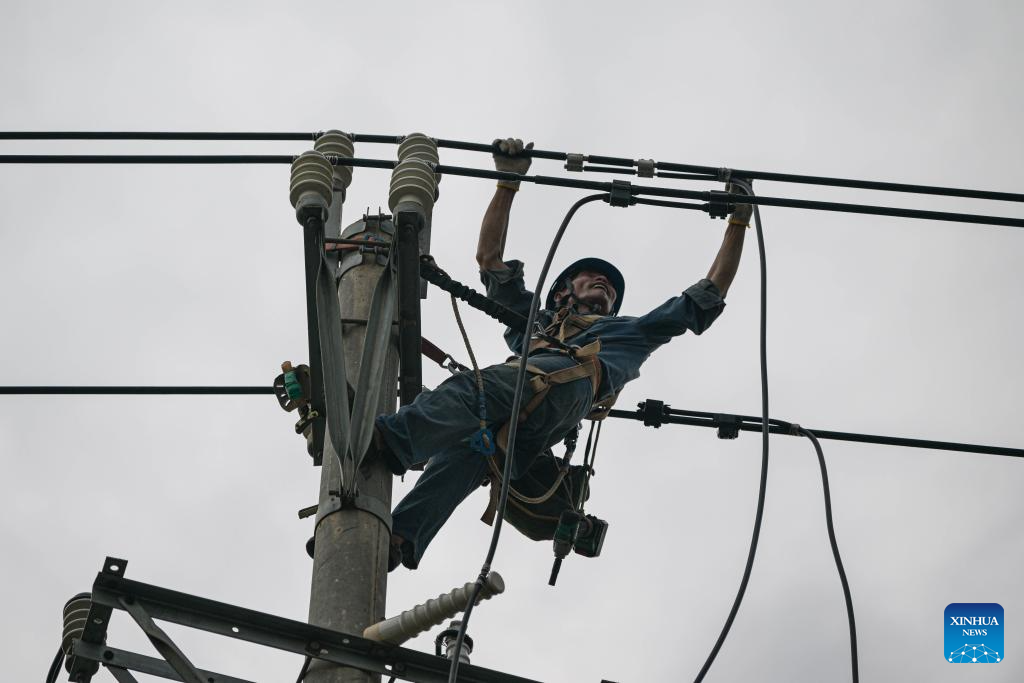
(574, 162)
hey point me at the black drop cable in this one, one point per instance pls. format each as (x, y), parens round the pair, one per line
(517, 399)
(763, 484)
(835, 549)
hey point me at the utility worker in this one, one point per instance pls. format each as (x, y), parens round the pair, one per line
(580, 310)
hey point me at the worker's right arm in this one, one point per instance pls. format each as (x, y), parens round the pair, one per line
(494, 227)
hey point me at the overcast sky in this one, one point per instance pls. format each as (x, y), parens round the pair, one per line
(193, 275)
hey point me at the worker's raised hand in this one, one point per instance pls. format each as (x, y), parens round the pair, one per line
(741, 216)
(509, 157)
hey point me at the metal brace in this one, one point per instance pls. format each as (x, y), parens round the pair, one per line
(574, 162)
(621, 193)
(645, 168)
(335, 503)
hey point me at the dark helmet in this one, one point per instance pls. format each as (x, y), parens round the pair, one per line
(598, 266)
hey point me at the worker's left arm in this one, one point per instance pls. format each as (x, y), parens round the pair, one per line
(723, 270)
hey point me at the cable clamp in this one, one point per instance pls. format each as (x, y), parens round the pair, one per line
(653, 412)
(724, 175)
(728, 425)
(574, 162)
(719, 204)
(645, 168)
(621, 193)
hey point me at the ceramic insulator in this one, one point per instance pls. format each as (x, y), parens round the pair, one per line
(76, 614)
(413, 179)
(311, 180)
(412, 622)
(336, 143)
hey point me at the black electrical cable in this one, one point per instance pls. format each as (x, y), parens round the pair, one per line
(675, 170)
(835, 550)
(304, 670)
(634, 190)
(517, 400)
(763, 484)
(134, 390)
(54, 671)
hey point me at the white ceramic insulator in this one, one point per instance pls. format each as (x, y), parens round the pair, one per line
(418, 146)
(415, 621)
(311, 180)
(413, 181)
(336, 143)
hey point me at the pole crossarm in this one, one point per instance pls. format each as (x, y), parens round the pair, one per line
(655, 413)
(597, 163)
(112, 591)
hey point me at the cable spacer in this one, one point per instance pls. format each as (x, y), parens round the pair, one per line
(645, 168)
(653, 412)
(621, 193)
(574, 162)
(728, 425)
(311, 184)
(724, 175)
(334, 143)
(720, 204)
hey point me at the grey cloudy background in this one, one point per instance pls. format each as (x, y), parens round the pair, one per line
(193, 275)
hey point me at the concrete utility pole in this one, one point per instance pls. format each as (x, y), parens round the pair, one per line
(349, 584)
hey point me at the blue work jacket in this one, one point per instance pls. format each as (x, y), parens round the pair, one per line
(626, 341)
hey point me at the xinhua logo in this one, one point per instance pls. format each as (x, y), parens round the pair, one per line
(974, 633)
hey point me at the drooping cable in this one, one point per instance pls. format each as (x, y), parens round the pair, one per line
(517, 399)
(763, 484)
(835, 550)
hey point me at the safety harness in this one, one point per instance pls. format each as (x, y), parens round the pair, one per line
(565, 325)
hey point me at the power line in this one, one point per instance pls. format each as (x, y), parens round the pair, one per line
(661, 166)
(718, 203)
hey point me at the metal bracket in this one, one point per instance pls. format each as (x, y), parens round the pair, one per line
(645, 168)
(336, 503)
(621, 193)
(380, 223)
(112, 591)
(574, 162)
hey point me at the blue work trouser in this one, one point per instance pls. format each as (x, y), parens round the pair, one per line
(436, 427)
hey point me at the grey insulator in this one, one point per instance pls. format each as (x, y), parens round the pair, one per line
(76, 616)
(311, 181)
(413, 181)
(411, 623)
(418, 146)
(336, 143)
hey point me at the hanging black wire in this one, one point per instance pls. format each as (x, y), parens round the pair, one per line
(763, 483)
(835, 551)
(510, 450)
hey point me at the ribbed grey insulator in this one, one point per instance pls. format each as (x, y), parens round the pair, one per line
(311, 180)
(411, 623)
(413, 181)
(336, 143)
(76, 613)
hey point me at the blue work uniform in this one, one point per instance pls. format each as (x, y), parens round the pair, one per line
(436, 427)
